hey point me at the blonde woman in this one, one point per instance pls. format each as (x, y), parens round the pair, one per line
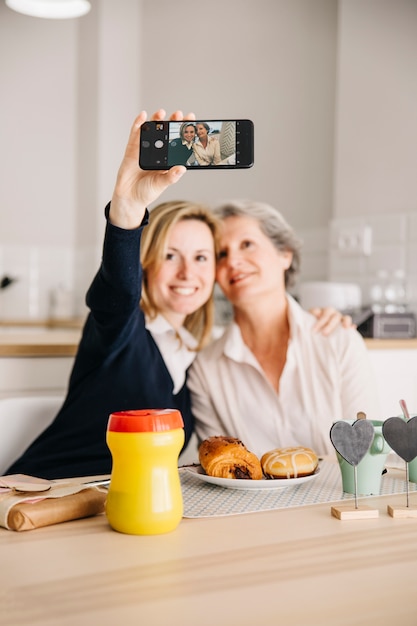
(133, 356)
(180, 151)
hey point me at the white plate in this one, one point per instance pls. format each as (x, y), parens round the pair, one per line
(241, 483)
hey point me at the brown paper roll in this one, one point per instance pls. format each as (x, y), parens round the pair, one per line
(26, 516)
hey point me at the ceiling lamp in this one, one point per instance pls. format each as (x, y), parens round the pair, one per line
(52, 9)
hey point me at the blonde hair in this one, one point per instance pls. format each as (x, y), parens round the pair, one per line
(153, 247)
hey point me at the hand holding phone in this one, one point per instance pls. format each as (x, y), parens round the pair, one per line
(136, 189)
(211, 144)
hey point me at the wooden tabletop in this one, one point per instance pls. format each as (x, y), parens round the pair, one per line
(291, 566)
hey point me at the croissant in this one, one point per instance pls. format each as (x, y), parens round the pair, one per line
(227, 457)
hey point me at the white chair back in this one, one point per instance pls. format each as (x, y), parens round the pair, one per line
(22, 419)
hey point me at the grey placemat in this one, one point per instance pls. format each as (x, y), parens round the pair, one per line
(206, 500)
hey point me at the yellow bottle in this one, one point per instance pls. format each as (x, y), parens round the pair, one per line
(145, 495)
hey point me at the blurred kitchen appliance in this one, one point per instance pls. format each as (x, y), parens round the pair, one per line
(386, 325)
(347, 298)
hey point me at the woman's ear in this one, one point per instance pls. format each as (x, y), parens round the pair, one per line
(287, 256)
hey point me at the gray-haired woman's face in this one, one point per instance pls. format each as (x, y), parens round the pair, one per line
(249, 265)
(201, 130)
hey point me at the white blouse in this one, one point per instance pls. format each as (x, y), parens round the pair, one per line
(324, 379)
(210, 154)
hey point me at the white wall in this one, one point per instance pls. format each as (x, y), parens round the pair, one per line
(70, 90)
(38, 128)
(329, 84)
(376, 138)
(376, 112)
(273, 61)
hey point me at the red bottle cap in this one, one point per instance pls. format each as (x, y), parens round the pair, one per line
(145, 420)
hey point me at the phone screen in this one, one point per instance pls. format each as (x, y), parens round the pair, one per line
(201, 144)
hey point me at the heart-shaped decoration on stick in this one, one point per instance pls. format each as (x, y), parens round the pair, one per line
(352, 441)
(401, 435)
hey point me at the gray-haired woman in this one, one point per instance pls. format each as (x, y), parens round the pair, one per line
(206, 147)
(269, 380)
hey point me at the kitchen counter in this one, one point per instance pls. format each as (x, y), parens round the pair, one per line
(61, 338)
(391, 344)
(37, 358)
(39, 343)
(40, 338)
(47, 322)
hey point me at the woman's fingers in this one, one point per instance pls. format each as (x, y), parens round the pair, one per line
(328, 319)
(347, 322)
(174, 174)
(178, 116)
(158, 115)
(132, 147)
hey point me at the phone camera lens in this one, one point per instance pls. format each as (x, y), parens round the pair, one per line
(159, 143)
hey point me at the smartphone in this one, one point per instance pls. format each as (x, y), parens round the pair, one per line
(201, 144)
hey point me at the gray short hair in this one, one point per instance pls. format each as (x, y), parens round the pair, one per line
(273, 225)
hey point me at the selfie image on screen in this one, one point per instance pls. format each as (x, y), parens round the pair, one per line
(201, 144)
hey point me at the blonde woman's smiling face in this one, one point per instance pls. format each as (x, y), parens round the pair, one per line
(184, 282)
(188, 133)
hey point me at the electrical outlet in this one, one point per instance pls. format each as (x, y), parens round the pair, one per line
(355, 241)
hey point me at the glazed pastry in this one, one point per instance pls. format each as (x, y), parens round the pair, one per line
(227, 457)
(289, 462)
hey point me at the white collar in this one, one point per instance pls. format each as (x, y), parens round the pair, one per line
(189, 144)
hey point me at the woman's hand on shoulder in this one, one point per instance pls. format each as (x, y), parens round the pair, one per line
(135, 188)
(328, 319)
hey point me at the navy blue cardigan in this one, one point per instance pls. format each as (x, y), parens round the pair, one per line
(118, 366)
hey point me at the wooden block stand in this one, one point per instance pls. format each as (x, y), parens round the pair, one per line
(347, 512)
(402, 511)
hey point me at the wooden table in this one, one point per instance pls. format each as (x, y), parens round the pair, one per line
(291, 566)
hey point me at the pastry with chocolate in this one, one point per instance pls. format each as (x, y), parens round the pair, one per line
(227, 457)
